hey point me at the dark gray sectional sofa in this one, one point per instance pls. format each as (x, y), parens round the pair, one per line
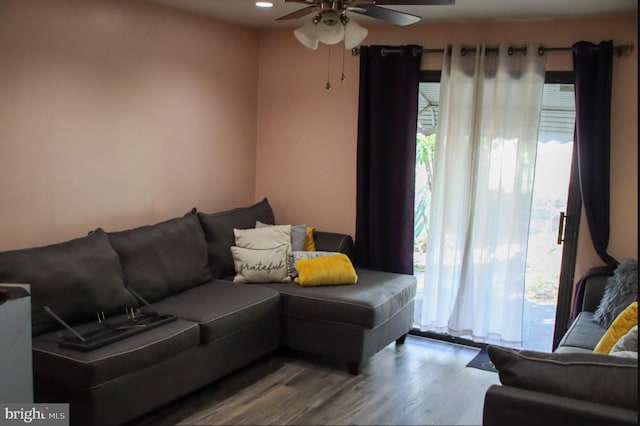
(182, 268)
(571, 386)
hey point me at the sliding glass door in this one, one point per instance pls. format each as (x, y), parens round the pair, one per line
(546, 282)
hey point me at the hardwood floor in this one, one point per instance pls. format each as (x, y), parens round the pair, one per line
(421, 382)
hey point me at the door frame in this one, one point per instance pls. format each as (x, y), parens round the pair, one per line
(571, 228)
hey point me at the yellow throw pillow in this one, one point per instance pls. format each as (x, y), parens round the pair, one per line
(326, 270)
(620, 326)
(309, 242)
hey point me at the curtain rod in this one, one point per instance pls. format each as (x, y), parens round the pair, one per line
(620, 50)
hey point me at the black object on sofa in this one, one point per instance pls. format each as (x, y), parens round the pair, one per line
(179, 266)
(572, 386)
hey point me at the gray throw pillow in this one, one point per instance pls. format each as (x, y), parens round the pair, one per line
(621, 290)
(218, 232)
(586, 376)
(75, 279)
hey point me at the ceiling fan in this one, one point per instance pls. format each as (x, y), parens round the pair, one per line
(331, 25)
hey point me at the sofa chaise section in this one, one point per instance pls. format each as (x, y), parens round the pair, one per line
(350, 322)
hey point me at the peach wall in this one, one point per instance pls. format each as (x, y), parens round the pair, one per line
(307, 135)
(118, 114)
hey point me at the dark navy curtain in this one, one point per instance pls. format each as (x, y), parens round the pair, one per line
(593, 65)
(387, 120)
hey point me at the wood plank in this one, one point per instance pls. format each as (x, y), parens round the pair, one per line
(421, 382)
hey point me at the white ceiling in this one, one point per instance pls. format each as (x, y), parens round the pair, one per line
(246, 13)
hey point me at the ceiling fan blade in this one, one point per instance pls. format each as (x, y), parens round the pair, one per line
(298, 14)
(415, 2)
(387, 15)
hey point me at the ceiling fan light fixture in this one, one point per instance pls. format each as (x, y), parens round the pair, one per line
(354, 34)
(330, 30)
(308, 35)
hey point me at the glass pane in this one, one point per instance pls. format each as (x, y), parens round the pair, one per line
(425, 145)
(544, 256)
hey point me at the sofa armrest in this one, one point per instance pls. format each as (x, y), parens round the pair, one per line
(332, 241)
(593, 292)
(506, 405)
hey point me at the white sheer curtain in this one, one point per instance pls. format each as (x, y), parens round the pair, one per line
(485, 157)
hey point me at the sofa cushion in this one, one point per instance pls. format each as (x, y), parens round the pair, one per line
(218, 231)
(75, 279)
(584, 334)
(377, 297)
(590, 377)
(163, 259)
(90, 369)
(222, 308)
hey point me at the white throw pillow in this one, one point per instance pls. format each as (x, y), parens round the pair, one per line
(628, 342)
(263, 238)
(260, 265)
(625, 354)
(298, 235)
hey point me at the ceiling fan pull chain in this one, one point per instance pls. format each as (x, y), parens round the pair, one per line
(342, 77)
(328, 86)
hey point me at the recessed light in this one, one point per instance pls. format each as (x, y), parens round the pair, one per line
(264, 4)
